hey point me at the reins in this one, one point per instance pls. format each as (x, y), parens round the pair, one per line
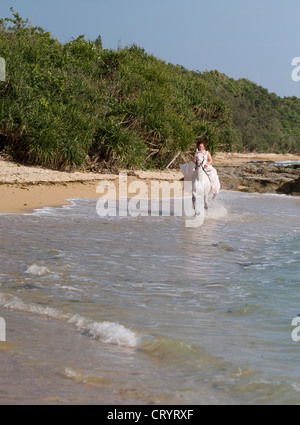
(202, 166)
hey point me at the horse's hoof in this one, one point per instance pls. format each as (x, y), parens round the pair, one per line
(206, 207)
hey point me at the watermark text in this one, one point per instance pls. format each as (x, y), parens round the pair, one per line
(122, 198)
(296, 71)
(151, 415)
(2, 330)
(296, 332)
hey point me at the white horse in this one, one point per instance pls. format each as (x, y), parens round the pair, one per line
(201, 185)
(204, 180)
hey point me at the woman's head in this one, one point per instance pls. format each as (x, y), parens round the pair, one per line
(200, 145)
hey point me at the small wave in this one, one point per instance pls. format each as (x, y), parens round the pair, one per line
(37, 270)
(84, 377)
(71, 288)
(171, 350)
(54, 210)
(106, 332)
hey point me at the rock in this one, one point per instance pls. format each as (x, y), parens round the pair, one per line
(262, 178)
(291, 187)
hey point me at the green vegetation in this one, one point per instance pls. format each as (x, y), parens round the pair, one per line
(264, 121)
(77, 104)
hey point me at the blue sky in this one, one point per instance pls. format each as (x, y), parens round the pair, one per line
(254, 39)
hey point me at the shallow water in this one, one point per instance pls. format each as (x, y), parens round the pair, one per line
(146, 310)
(287, 163)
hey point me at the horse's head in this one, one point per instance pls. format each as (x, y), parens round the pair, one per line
(199, 159)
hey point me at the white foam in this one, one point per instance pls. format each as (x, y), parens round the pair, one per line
(37, 270)
(106, 332)
(216, 211)
(196, 221)
(71, 373)
(71, 288)
(55, 210)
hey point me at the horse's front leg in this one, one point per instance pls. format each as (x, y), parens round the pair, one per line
(206, 200)
(194, 200)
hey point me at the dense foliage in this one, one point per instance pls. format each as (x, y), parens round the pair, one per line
(75, 104)
(264, 121)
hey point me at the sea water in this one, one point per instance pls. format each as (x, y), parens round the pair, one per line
(144, 310)
(287, 163)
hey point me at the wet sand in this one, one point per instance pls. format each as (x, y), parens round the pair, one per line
(24, 198)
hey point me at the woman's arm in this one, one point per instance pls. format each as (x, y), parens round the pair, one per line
(195, 157)
(209, 159)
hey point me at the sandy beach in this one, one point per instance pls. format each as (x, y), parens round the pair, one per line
(24, 188)
(235, 159)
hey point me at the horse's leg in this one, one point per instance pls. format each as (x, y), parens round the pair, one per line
(206, 201)
(207, 189)
(194, 200)
(206, 192)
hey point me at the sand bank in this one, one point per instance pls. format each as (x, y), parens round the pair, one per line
(23, 188)
(24, 198)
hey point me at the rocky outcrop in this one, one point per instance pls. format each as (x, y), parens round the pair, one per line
(261, 177)
(291, 188)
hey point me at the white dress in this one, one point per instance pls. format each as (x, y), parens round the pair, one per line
(189, 169)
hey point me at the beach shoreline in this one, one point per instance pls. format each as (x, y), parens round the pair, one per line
(25, 188)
